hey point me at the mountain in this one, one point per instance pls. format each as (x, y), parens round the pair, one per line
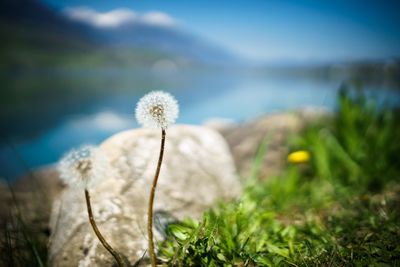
(380, 73)
(31, 23)
(166, 39)
(153, 30)
(44, 35)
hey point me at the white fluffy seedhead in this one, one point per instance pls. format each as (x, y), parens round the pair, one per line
(157, 109)
(83, 167)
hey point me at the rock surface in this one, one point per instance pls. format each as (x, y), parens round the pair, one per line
(197, 170)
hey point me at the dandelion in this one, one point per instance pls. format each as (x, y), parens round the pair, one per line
(83, 168)
(156, 110)
(300, 156)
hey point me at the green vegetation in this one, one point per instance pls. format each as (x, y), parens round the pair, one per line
(340, 209)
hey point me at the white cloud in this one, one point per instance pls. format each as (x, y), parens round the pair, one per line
(117, 17)
(113, 18)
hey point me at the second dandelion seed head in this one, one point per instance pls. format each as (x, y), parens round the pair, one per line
(83, 167)
(157, 109)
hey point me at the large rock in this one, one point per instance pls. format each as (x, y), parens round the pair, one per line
(197, 171)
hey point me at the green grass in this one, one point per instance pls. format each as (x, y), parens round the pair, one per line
(340, 209)
(360, 148)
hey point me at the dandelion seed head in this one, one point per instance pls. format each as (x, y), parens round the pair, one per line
(83, 167)
(157, 109)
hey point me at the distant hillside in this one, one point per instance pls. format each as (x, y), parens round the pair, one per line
(169, 40)
(30, 21)
(384, 73)
(34, 36)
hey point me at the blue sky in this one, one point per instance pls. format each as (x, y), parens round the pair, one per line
(279, 30)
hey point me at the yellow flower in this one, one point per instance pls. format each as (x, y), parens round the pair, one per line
(300, 156)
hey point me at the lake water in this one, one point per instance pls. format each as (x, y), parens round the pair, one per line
(202, 96)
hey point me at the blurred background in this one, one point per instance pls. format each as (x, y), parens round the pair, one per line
(72, 71)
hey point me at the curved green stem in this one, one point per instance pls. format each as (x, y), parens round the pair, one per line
(151, 202)
(103, 241)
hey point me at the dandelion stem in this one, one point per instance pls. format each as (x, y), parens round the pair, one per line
(98, 234)
(151, 202)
